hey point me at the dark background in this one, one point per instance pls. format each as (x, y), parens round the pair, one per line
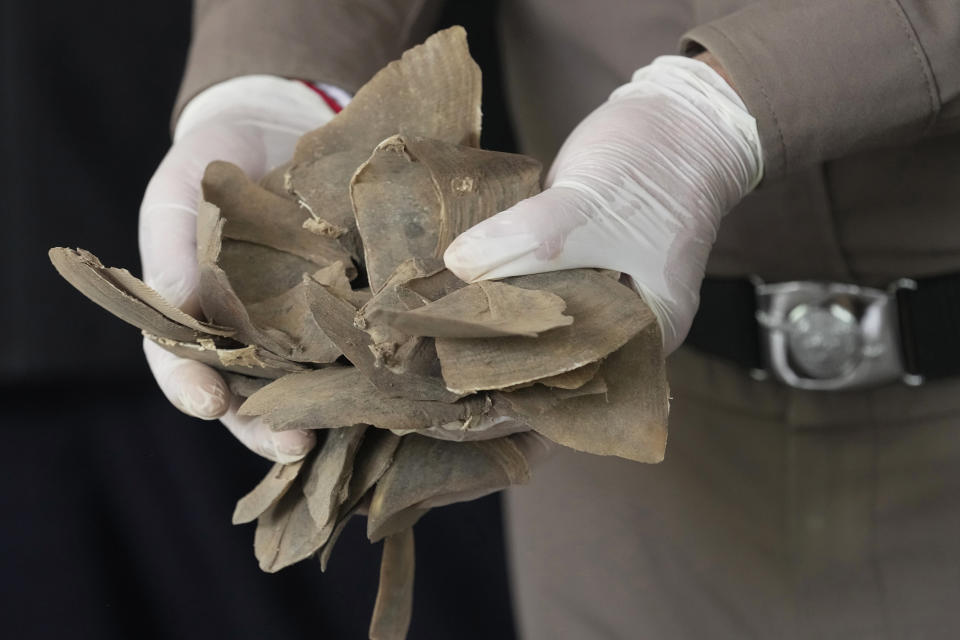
(116, 508)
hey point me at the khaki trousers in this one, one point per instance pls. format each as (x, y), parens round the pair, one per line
(777, 514)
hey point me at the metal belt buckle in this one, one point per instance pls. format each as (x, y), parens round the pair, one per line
(830, 336)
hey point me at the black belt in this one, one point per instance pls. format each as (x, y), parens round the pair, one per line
(927, 319)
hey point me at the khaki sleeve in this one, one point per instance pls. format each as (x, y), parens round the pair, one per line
(827, 78)
(339, 42)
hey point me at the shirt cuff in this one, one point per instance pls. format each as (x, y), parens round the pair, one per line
(824, 78)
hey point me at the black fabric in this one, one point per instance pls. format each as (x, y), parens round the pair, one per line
(84, 106)
(117, 507)
(725, 324)
(117, 526)
(930, 326)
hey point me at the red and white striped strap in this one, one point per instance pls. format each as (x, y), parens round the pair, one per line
(335, 97)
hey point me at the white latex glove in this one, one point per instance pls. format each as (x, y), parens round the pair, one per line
(639, 187)
(253, 122)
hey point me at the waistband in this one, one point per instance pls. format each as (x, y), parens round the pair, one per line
(706, 379)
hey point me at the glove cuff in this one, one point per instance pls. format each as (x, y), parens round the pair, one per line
(703, 90)
(270, 101)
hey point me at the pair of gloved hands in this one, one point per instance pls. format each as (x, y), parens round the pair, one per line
(639, 187)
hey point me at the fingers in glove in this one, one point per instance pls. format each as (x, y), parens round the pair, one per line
(280, 446)
(199, 391)
(192, 387)
(554, 230)
(530, 237)
(168, 251)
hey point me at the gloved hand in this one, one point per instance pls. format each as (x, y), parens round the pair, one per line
(639, 187)
(253, 122)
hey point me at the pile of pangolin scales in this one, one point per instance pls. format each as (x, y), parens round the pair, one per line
(428, 389)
